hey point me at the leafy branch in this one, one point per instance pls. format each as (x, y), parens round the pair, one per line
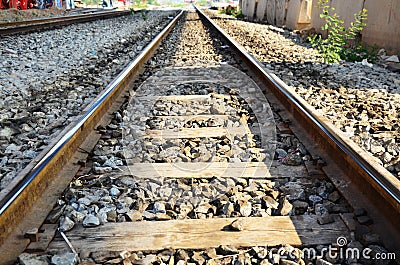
(341, 43)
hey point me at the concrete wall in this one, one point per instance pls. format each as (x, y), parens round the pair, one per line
(271, 12)
(276, 12)
(261, 12)
(280, 12)
(305, 12)
(299, 14)
(248, 8)
(347, 8)
(383, 22)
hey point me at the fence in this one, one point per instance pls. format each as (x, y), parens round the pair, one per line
(383, 23)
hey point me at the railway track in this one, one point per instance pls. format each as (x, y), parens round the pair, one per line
(18, 27)
(188, 164)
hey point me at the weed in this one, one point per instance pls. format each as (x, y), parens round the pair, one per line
(143, 13)
(233, 11)
(341, 43)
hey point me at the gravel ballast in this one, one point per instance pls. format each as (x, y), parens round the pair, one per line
(49, 77)
(362, 101)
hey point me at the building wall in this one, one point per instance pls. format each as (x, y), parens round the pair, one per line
(383, 23)
(299, 14)
(248, 8)
(270, 11)
(261, 13)
(347, 8)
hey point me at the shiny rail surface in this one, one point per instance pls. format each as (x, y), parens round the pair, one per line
(39, 24)
(17, 200)
(380, 187)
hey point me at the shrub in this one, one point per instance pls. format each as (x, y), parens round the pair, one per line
(341, 43)
(233, 11)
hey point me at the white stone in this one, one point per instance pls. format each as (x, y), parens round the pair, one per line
(393, 58)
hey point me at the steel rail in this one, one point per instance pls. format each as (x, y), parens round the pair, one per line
(12, 200)
(37, 24)
(357, 161)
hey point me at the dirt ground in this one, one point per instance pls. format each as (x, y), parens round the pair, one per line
(12, 14)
